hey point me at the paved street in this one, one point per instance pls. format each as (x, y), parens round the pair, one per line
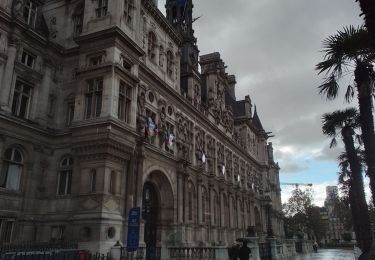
(328, 254)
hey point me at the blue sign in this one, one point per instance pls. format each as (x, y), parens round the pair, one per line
(133, 229)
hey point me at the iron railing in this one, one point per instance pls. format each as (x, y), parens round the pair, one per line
(193, 253)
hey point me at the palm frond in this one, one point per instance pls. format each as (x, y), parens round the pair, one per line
(333, 143)
(333, 122)
(330, 88)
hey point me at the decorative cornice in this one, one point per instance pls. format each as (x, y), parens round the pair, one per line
(114, 31)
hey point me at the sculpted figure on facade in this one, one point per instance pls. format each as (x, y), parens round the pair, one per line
(18, 8)
(210, 154)
(199, 145)
(141, 108)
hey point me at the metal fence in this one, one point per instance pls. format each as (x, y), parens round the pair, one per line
(32, 246)
(265, 251)
(54, 255)
(193, 253)
(140, 254)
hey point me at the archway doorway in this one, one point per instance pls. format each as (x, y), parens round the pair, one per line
(150, 212)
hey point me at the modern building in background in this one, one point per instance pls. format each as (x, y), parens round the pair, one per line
(106, 106)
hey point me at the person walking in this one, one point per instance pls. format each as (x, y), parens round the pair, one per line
(244, 252)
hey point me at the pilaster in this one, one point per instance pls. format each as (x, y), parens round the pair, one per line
(7, 80)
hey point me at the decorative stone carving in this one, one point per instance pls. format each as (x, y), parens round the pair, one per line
(52, 27)
(18, 8)
(141, 109)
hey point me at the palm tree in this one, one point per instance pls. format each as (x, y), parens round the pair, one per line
(368, 10)
(344, 51)
(343, 123)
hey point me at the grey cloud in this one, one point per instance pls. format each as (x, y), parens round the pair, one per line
(272, 47)
(289, 168)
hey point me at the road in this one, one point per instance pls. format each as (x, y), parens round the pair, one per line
(328, 254)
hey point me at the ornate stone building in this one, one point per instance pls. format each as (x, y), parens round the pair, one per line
(105, 106)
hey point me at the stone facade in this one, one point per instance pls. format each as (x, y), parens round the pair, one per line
(103, 108)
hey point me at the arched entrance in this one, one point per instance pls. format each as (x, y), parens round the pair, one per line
(157, 212)
(150, 208)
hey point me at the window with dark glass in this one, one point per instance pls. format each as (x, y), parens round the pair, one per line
(124, 102)
(78, 19)
(57, 233)
(102, 8)
(30, 12)
(10, 175)
(21, 99)
(93, 98)
(6, 231)
(65, 176)
(28, 59)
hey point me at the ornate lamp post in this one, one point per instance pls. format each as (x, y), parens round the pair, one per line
(268, 202)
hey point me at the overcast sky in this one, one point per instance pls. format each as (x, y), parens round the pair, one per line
(272, 47)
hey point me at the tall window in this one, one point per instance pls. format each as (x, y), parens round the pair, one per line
(21, 99)
(124, 102)
(128, 11)
(102, 8)
(6, 230)
(70, 113)
(10, 174)
(151, 46)
(78, 19)
(169, 63)
(65, 176)
(29, 12)
(57, 233)
(94, 97)
(28, 59)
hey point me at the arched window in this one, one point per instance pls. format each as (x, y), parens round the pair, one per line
(170, 62)
(65, 176)
(11, 170)
(151, 46)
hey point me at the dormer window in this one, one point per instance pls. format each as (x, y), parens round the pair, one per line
(29, 12)
(102, 8)
(28, 59)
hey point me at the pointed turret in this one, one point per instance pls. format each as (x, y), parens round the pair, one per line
(256, 120)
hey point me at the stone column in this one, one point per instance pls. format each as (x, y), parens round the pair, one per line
(7, 80)
(42, 107)
(273, 247)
